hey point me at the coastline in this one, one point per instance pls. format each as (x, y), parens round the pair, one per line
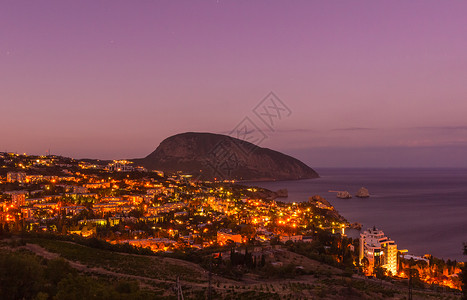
(404, 203)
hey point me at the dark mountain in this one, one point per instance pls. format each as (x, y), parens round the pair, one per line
(219, 156)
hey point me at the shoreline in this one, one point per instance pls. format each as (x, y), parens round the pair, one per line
(404, 209)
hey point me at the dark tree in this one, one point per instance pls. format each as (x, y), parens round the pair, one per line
(21, 276)
(263, 260)
(380, 272)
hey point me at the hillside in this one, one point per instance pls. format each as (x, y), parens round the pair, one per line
(66, 269)
(210, 156)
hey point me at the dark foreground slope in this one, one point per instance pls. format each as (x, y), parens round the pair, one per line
(223, 157)
(55, 269)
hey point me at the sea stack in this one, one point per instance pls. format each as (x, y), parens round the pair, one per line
(343, 195)
(362, 193)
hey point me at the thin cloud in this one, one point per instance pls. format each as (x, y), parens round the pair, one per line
(294, 130)
(448, 128)
(278, 130)
(354, 129)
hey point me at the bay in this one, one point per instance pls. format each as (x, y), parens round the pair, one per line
(423, 210)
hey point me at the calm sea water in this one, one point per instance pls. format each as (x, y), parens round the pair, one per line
(423, 210)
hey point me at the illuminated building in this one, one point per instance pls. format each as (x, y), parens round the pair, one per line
(27, 212)
(99, 222)
(18, 198)
(80, 190)
(225, 235)
(293, 238)
(51, 206)
(121, 166)
(73, 209)
(166, 208)
(16, 177)
(379, 250)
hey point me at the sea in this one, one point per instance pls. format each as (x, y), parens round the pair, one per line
(422, 210)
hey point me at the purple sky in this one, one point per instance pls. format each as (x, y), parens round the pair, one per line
(369, 83)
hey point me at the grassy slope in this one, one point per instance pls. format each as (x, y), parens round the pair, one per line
(160, 273)
(139, 265)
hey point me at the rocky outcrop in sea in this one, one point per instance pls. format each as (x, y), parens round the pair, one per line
(362, 193)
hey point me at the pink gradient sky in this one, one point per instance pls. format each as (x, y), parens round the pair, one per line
(369, 83)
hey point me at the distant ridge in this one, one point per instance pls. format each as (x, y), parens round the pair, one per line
(211, 156)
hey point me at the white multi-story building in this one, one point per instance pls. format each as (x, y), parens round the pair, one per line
(293, 238)
(379, 250)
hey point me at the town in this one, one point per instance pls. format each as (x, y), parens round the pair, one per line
(122, 203)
